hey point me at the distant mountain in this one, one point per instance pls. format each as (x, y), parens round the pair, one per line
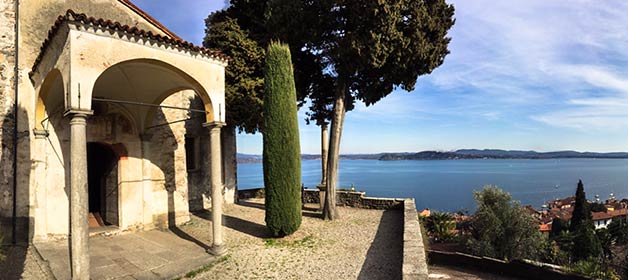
(459, 154)
(496, 154)
(246, 158)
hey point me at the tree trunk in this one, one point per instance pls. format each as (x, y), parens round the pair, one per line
(230, 163)
(329, 209)
(324, 149)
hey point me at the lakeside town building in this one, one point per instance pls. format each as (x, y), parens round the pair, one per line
(563, 209)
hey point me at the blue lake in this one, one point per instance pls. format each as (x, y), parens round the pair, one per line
(448, 185)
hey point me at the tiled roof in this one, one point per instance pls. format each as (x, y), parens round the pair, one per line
(619, 212)
(425, 213)
(71, 16)
(601, 216)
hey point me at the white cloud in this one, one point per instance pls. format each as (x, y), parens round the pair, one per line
(561, 61)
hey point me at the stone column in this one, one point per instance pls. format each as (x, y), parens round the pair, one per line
(322, 187)
(79, 207)
(216, 186)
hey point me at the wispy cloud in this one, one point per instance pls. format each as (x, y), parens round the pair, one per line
(561, 55)
(523, 70)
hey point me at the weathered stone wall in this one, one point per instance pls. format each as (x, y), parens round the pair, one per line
(7, 114)
(344, 198)
(517, 269)
(414, 264)
(181, 189)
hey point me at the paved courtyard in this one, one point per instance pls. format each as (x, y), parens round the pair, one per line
(145, 255)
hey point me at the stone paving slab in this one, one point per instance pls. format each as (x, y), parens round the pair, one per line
(145, 255)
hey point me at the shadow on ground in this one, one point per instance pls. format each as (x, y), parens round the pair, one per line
(234, 223)
(384, 257)
(13, 265)
(183, 235)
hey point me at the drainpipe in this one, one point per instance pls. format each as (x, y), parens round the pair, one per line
(15, 112)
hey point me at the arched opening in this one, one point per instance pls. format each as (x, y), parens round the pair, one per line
(102, 174)
(49, 99)
(143, 84)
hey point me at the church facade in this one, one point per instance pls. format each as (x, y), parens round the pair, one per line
(109, 121)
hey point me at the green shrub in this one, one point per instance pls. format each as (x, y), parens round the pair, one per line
(500, 228)
(441, 226)
(282, 151)
(592, 268)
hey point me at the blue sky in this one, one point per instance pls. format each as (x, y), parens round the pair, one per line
(527, 75)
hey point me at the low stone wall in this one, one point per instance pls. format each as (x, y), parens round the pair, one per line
(414, 262)
(516, 269)
(311, 196)
(344, 198)
(251, 193)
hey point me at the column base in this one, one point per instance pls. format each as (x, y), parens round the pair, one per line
(322, 188)
(217, 250)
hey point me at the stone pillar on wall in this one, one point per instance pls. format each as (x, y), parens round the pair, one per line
(230, 164)
(218, 247)
(79, 228)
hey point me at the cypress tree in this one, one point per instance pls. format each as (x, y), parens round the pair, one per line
(586, 243)
(558, 225)
(282, 151)
(581, 212)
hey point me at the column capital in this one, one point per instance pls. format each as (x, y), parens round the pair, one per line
(214, 124)
(77, 112)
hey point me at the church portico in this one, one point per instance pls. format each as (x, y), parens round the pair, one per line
(156, 104)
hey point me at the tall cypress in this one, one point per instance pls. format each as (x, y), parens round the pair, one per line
(282, 151)
(586, 243)
(581, 212)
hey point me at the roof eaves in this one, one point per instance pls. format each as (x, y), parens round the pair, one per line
(71, 16)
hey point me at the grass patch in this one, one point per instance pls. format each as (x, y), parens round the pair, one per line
(307, 241)
(206, 267)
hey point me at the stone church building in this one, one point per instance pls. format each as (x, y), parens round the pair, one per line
(109, 122)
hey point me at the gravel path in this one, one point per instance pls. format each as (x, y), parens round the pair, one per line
(362, 244)
(23, 263)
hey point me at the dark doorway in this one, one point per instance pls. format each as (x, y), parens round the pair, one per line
(102, 174)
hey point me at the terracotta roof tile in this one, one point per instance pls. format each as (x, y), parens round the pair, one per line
(545, 227)
(601, 216)
(71, 16)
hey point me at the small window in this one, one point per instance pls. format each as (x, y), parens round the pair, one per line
(191, 153)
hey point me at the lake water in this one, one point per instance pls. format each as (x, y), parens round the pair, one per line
(448, 185)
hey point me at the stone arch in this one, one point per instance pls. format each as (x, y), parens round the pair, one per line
(131, 71)
(53, 83)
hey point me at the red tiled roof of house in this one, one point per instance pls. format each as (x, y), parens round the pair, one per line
(563, 201)
(425, 213)
(619, 212)
(601, 216)
(545, 227)
(71, 16)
